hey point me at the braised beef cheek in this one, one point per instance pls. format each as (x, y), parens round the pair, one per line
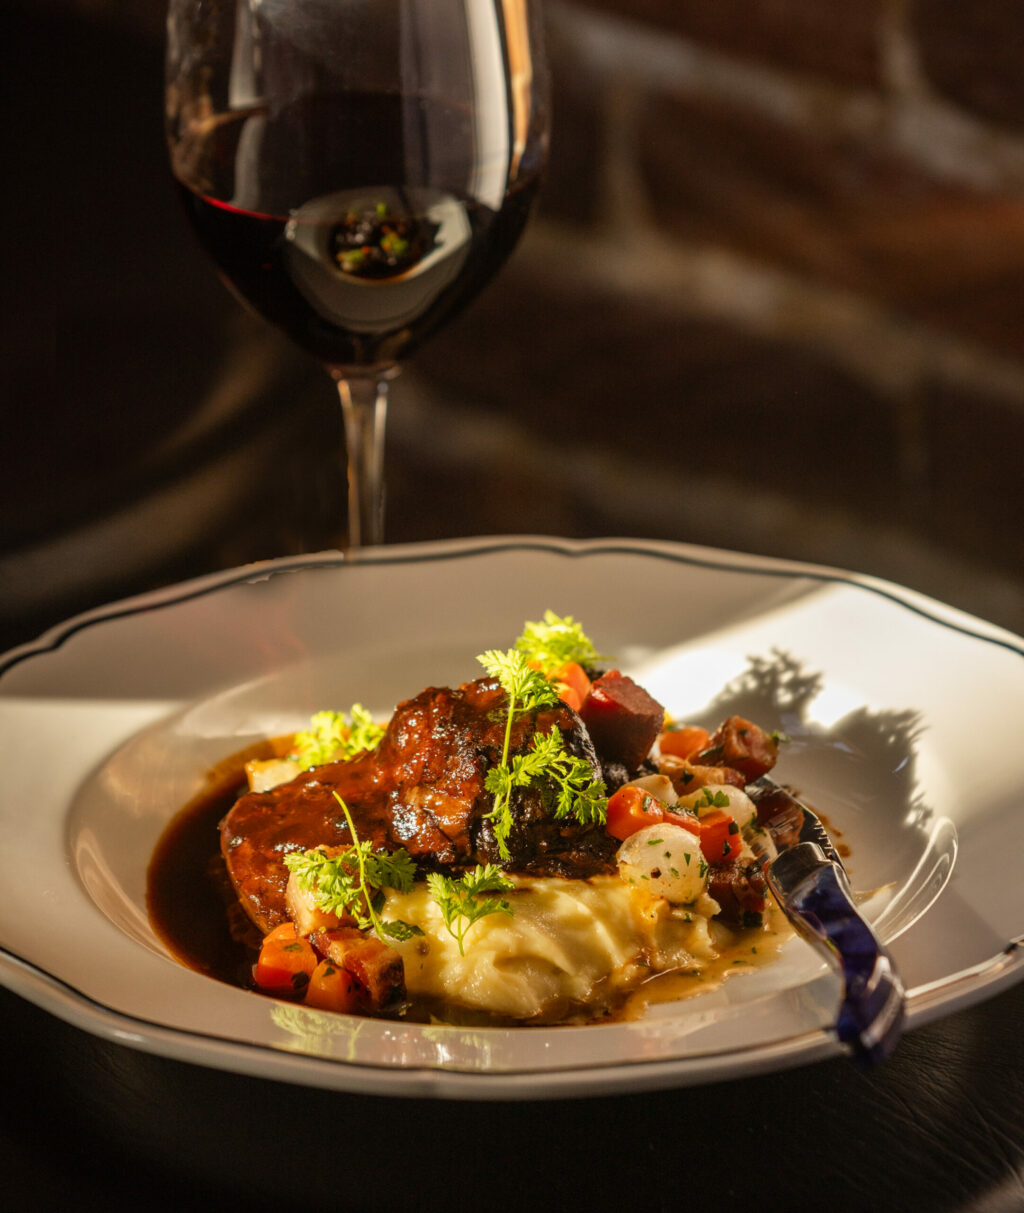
(421, 789)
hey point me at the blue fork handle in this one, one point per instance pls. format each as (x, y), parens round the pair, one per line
(814, 893)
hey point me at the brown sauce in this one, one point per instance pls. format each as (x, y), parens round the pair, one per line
(747, 950)
(842, 848)
(191, 902)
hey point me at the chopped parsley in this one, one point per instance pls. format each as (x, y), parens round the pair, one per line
(711, 800)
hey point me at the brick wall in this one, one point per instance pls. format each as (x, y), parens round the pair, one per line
(778, 273)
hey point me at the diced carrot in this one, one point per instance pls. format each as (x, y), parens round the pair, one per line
(285, 933)
(572, 684)
(630, 809)
(685, 818)
(719, 836)
(286, 961)
(332, 988)
(684, 742)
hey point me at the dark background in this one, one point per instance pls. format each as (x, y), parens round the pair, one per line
(773, 300)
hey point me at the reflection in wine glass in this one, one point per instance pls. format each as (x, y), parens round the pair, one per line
(415, 241)
(358, 170)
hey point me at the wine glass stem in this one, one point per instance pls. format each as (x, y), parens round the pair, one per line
(364, 402)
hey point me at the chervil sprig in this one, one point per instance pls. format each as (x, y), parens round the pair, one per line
(353, 881)
(578, 793)
(463, 902)
(333, 736)
(555, 640)
(525, 687)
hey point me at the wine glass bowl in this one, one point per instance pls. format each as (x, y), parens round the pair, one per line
(357, 170)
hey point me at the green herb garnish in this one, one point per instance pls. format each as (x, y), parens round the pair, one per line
(712, 800)
(393, 244)
(463, 901)
(352, 260)
(525, 687)
(579, 794)
(353, 881)
(333, 736)
(554, 641)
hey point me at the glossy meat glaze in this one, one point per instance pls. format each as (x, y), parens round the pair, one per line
(423, 789)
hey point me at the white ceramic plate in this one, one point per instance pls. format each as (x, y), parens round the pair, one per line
(903, 716)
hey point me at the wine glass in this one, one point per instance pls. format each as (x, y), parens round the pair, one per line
(357, 170)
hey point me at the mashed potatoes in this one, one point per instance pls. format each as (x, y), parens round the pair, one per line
(570, 945)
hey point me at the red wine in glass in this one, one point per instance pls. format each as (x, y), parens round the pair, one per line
(357, 170)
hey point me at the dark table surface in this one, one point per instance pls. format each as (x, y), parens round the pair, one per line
(89, 1124)
(85, 1123)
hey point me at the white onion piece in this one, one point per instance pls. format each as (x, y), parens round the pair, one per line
(740, 806)
(659, 786)
(666, 861)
